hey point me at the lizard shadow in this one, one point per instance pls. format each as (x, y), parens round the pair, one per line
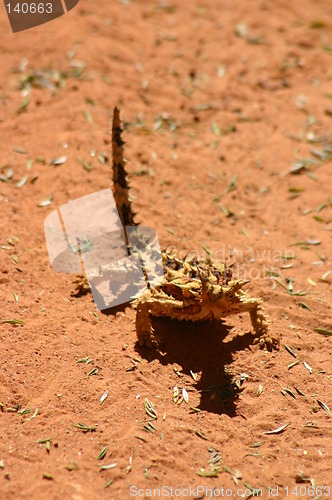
(201, 347)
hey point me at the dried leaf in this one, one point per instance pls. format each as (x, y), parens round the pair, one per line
(9, 173)
(150, 410)
(241, 30)
(232, 184)
(291, 365)
(23, 181)
(304, 306)
(291, 393)
(25, 103)
(307, 367)
(20, 150)
(104, 396)
(58, 161)
(216, 129)
(324, 406)
(208, 473)
(46, 202)
(291, 350)
(278, 430)
(107, 467)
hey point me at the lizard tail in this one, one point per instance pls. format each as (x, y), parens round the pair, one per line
(120, 182)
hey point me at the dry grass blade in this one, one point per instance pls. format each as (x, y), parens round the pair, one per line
(141, 438)
(199, 434)
(84, 427)
(278, 430)
(308, 367)
(88, 116)
(252, 455)
(71, 466)
(43, 441)
(253, 491)
(129, 467)
(323, 331)
(109, 483)
(150, 410)
(47, 443)
(149, 427)
(94, 371)
(13, 321)
(23, 181)
(304, 306)
(299, 392)
(86, 360)
(48, 476)
(257, 445)
(46, 202)
(104, 397)
(102, 453)
(194, 409)
(291, 365)
(20, 150)
(207, 473)
(291, 393)
(107, 467)
(58, 161)
(214, 462)
(35, 413)
(311, 425)
(291, 350)
(324, 406)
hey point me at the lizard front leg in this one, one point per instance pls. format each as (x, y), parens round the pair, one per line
(264, 337)
(144, 329)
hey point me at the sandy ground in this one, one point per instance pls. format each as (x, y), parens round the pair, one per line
(221, 101)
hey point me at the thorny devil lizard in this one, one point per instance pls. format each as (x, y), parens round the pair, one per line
(191, 289)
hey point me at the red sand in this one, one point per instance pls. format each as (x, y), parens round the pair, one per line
(244, 104)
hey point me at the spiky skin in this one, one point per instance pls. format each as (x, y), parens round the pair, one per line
(120, 183)
(198, 291)
(82, 286)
